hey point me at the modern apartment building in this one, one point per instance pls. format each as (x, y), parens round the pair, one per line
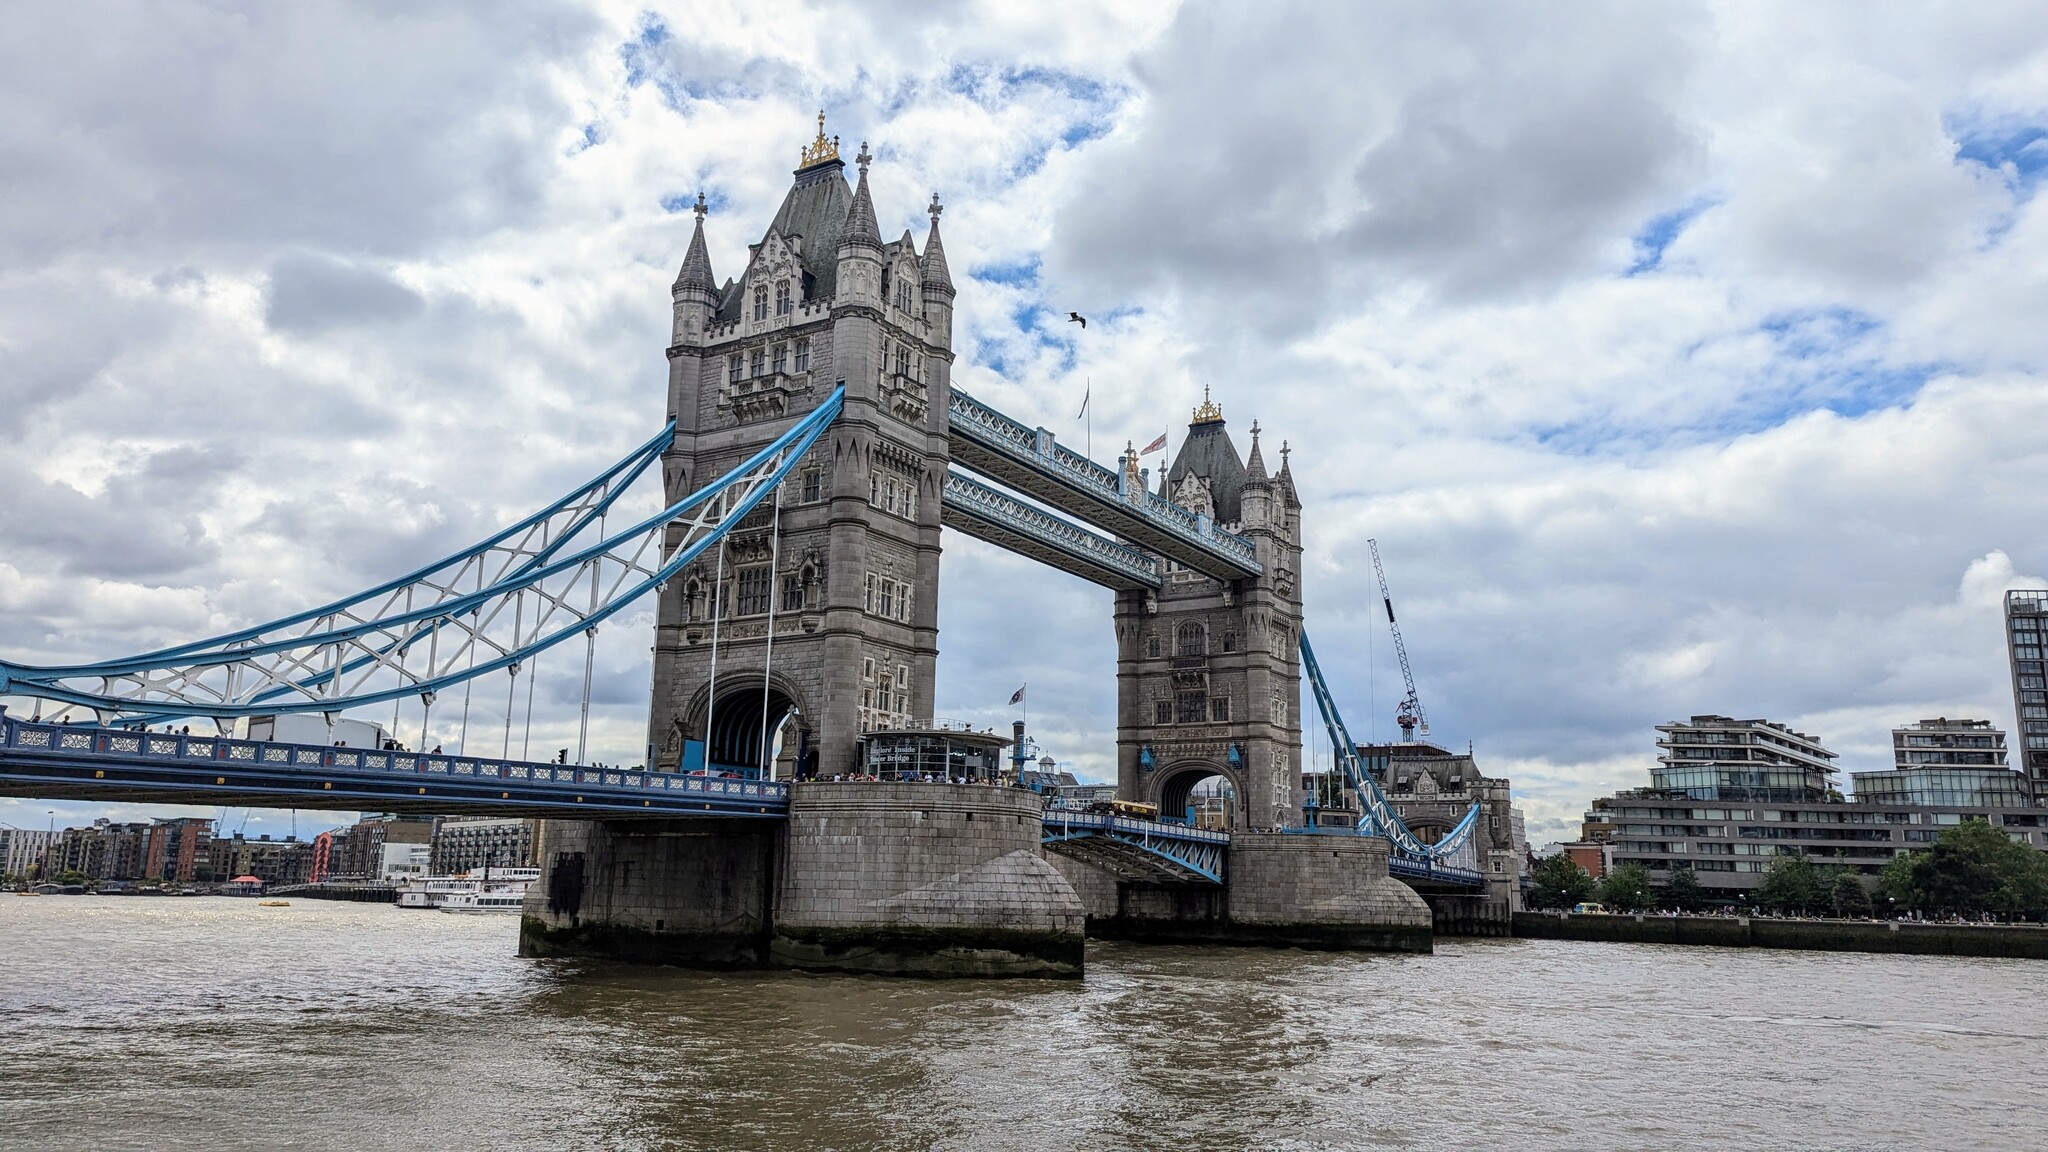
(1727, 816)
(465, 843)
(2026, 641)
(1718, 758)
(21, 850)
(1943, 762)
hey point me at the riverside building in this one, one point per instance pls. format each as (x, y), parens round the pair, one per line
(2026, 623)
(1728, 815)
(1946, 762)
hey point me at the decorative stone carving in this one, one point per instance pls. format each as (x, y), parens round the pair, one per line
(763, 397)
(906, 396)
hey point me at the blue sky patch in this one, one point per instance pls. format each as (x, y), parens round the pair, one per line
(1657, 235)
(2019, 152)
(1018, 272)
(1830, 359)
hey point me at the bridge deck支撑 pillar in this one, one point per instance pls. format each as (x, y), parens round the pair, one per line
(1301, 890)
(923, 879)
(696, 892)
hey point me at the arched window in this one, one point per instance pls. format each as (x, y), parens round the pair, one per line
(782, 298)
(803, 355)
(1152, 650)
(903, 293)
(1230, 640)
(760, 303)
(732, 370)
(781, 358)
(1190, 640)
(758, 361)
(903, 360)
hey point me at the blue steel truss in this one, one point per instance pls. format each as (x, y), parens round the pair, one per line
(1032, 461)
(420, 634)
(56, 761)
(1001, 519)
(1380, 818)
(1167, 851)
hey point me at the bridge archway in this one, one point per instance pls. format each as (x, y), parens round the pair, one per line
(733, 737)
(1199, 783)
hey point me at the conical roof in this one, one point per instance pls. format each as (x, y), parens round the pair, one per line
(696, 271)
(936, 274)
(814, 209)
(1255, 464)
(860, 215)
(1209, 453)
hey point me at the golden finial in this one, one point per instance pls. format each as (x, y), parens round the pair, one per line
(820, 149)
(1208, 413)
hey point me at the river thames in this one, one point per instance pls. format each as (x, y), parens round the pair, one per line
(215, 1023)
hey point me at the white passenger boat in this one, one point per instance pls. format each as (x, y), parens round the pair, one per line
(437, 891)
(494, 901)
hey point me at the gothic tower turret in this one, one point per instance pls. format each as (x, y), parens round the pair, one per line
(1209, 675)
(938, 282)
(845, 572)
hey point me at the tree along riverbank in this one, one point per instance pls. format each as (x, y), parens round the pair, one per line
(2010, 940)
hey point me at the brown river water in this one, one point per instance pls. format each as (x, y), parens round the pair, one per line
(215, 1023)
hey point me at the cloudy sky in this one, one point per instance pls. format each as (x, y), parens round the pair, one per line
(1681, 358)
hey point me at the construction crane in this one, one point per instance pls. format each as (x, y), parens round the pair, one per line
(1411, 716)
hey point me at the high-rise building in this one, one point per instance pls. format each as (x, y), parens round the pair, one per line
(179, 849)
(2026, 623)
(1717, 758)
(21, 850)
(1946, 762)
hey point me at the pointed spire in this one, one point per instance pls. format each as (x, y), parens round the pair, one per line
(1255, 465)
(936, 274)
(1286, 478)
(696, 272)
(860, 216)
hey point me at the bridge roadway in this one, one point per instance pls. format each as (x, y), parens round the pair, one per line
(76, 762)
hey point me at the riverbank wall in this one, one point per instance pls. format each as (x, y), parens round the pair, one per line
(1905, 937)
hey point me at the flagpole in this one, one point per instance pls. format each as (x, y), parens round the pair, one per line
(1087, 392)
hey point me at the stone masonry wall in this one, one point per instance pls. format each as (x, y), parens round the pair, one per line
(932, 879)
(1283, 890)
(687, 891)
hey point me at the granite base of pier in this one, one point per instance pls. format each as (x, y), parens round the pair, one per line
(1282, 890)
(937, 880)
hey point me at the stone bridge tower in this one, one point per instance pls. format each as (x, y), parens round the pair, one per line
(849, 583)
(1208, 671)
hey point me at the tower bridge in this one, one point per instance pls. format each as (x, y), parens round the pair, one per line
(815, 450)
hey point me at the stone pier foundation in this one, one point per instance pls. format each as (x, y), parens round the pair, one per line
(923, 879)
(696, 892)
(1282, 890)
(913, 879)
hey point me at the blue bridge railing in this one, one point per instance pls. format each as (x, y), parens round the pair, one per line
(99, 760)
(1197, 853)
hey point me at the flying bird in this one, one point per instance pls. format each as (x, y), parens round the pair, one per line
(1077, 318)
